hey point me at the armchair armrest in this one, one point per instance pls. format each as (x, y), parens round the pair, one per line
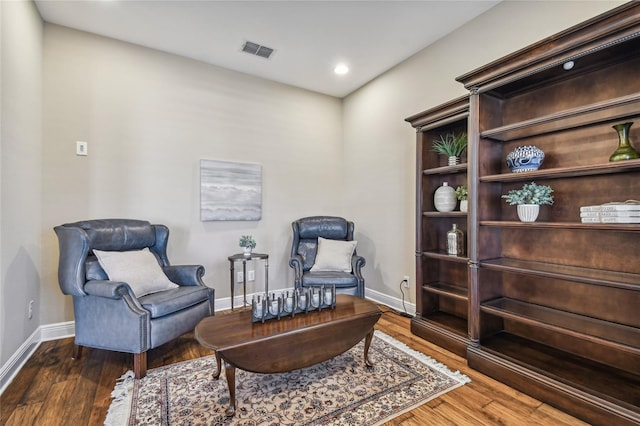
(185, 274)
(106, 288)
(297, 264)
(357, 262)
(115, 290)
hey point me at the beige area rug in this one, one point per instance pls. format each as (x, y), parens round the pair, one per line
(341, 391)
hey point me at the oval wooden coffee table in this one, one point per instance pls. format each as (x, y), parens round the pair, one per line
(278, 346)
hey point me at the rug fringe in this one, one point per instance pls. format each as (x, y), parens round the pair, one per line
(120, 407)
(457, 375)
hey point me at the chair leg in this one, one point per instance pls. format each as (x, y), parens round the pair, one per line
(140, 365)
(77, 352)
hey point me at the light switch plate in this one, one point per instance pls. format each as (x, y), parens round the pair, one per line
(82, 148)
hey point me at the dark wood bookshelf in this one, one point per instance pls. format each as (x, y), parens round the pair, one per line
(442, 290)
(554, 309)
(548, 307)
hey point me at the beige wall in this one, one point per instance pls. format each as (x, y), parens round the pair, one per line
(380, 146)
(20, 172)
(149, 117)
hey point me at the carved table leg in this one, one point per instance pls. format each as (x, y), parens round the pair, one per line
(219, 365)
(230, 371)
(367, 344)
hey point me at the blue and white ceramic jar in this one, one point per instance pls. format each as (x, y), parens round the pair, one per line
(525, 159)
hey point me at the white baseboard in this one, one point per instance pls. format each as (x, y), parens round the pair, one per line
(392, 302)
(11, 368)
(57, 331)
(42, 334)
(67, 329)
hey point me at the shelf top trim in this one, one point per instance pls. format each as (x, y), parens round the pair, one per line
(612, 27)
(454, 110)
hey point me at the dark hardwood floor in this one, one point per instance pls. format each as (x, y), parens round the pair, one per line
(53, 389)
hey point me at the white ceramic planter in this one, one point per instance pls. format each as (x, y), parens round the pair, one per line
(464, 205)
(528, 212)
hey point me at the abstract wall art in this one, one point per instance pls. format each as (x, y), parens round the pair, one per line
(230, 190)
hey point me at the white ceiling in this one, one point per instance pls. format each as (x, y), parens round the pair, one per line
(309, 37)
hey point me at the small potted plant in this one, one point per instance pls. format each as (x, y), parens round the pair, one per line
(529, 199)
(247, 243)
(451, 145)
(462, 196)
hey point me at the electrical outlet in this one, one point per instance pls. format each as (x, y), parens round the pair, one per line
(239, 277)
(251, 275)
(30, 313)
(405, 281)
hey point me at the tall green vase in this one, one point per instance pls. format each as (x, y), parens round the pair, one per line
(625, 151)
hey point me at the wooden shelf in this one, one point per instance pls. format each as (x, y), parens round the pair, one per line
(586, 381)
(607, 111)
(565, 172)
(444, 320)
(447, 290)
(456, 213)
(446, 170)
(620, 337)
(565, 272)
(622, 227)
(441, 255)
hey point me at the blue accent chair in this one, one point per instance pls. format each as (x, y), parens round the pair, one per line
(107, 313)
(304, 249)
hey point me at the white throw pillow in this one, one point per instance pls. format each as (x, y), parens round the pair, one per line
(334, 255)
(138, 268)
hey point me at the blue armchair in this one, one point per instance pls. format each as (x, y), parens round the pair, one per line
(306, 234)
(108, 314)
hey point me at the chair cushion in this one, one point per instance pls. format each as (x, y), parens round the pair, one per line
(334, 255)
(339, 279)
(138, 268)
(170, 301)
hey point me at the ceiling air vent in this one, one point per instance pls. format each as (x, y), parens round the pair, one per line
(257, 49)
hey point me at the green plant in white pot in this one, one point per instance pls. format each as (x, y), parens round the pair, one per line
(529, 199)
(248, 244)
(451, 145)
(462, 195)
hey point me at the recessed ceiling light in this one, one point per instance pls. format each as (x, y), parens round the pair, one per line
(568, 65)
(341, 69)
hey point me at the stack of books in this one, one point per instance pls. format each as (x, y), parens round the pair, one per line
(615, 212)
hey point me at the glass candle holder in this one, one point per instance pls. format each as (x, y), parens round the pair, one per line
(257, 307)
(288, 304)
(328, 296)
(315, 299)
